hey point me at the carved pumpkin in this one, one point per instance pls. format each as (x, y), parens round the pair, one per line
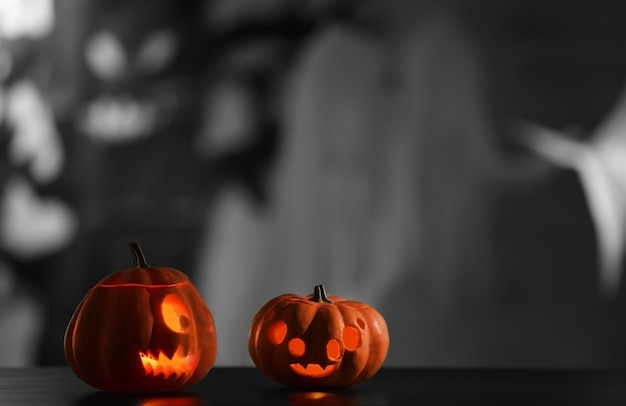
(144, 329)
(318, 340)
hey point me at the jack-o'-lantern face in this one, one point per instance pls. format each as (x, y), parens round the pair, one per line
(318, 341)
(145, 329)
(176, 319)
(317, 353)
(139, 60)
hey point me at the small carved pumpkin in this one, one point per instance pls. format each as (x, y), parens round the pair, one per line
(144, 329)
(318, 340)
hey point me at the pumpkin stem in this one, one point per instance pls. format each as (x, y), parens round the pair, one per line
(319, 295)
(139, 260)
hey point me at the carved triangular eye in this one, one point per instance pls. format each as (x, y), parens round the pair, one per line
(105, 56)
(157, 51)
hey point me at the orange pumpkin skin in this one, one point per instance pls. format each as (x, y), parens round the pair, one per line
(144, 329)
(318, 341)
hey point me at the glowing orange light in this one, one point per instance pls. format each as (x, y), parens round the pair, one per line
(277, 331)
(313, 370)
(315, 395)
(352, 337)
(333, 350)
(179, 364)
(296, 347)
(175, 313)
(172, 400)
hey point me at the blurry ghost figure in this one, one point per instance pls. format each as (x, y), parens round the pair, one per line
(297, 242)
(377, 185)
(119, 118)
(390, 184)
(601, 165)
(137, 71)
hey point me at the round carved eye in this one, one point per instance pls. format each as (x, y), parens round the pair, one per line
(157, 51)
(105, 56)
(333, 350)
(277, 331)
(296, 347)
(175, 313)
(351, 337)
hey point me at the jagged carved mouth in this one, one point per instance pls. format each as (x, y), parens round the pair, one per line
(180, 364)
(313, 370)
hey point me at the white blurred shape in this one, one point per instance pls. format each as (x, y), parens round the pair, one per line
(118, 120)
(601, 167)
(233, 256)
(229, 118)
(157, 51)
(31, 225)
(105, 56)
(26, 18)
(35, 141)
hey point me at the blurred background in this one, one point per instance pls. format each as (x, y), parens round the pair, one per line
(458, 165)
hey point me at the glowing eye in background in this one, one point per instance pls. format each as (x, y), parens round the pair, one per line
(105, 56)
(157, 51)
(175, 313)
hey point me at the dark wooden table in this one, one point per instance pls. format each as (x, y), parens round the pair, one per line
(391, 386)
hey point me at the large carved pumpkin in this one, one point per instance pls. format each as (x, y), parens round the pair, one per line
(144, 329)
(318, 340)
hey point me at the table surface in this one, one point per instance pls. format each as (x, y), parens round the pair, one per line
(390, 386)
